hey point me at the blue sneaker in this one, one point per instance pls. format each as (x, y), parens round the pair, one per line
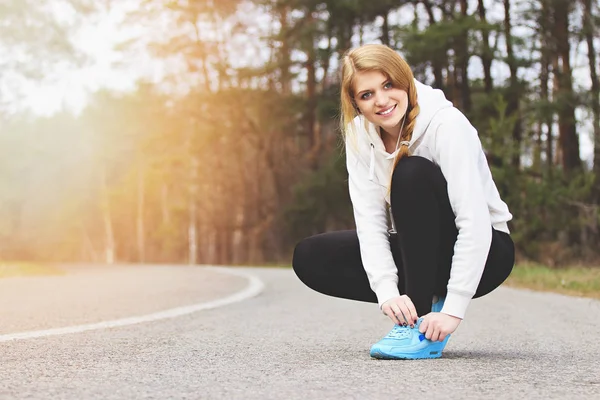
(438, 305)
(407, 343)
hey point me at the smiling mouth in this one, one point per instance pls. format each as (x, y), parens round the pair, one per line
(387, 111)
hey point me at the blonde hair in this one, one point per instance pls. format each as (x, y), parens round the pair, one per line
(381, 58)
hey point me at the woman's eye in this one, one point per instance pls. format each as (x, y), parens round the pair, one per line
(365, 95)
(388, 85)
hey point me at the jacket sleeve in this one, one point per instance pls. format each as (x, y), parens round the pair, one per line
(459, 154)
(370, 217)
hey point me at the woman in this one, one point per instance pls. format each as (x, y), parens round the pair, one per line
(409, 149)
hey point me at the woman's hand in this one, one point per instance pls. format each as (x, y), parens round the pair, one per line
(401, 310)
(436, 326)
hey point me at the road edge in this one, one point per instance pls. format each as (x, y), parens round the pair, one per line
(255, 287)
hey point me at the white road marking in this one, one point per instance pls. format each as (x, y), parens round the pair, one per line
(255, 286)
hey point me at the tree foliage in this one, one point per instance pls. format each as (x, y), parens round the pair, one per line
(235, 156)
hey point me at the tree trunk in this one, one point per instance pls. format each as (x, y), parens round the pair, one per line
(385, 30)
(88, 247)
(547, 114)
(536, 144)
(311, 99)
(589, 31)
(164, 204)
(437, 63)
(109, 238)
(512, 107)
(567, 131)
(558, 150)
(546, 117)
(326, 59)
(285, 61)
(199, 42)
(192, 228)
(211, 245)
(224, 241)
(140, 216)
(361, 33)
(486, 56)
(462, 62)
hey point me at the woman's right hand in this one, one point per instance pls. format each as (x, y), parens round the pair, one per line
(401, 310)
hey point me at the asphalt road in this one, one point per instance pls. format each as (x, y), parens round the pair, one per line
(287, 342)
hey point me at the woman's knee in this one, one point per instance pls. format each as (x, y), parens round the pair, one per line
(302, 260)
(499, 265)
(323, 256)
(412, 170)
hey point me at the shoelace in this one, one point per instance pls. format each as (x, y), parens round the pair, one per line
(399, 332)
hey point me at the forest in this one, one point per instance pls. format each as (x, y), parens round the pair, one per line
(232, 153)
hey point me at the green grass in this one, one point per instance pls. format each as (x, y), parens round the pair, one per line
(13, 269)
(575, 281)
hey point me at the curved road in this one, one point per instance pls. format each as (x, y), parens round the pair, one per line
(284, 342)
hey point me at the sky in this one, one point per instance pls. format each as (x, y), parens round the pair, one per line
(108, 68)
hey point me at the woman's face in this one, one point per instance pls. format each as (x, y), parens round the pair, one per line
(381, 103)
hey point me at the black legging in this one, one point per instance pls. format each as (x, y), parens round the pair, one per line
(330, 263)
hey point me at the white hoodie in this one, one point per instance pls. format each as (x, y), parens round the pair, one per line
(443, 135)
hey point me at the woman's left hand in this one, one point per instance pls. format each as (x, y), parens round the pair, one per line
(436, 326)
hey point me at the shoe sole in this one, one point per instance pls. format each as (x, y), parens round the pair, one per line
(434, 350)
